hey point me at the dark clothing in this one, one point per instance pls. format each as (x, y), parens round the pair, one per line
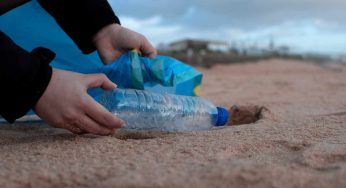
(24, 76)
(6, 5)
(81, 19)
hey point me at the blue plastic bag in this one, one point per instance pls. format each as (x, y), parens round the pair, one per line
(162, 74)
(30, 26)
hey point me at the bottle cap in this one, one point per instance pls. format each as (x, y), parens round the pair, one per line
(222, 117)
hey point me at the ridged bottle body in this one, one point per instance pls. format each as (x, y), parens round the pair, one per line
(143, 110)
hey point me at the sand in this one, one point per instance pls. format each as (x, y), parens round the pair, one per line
(300, 140)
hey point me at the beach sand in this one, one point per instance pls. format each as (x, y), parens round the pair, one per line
(300, 140)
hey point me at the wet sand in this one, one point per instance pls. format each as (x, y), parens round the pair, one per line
(300, 140)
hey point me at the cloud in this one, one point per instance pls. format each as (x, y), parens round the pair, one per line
(306, 25)
(235, 13)
(302, 36)
(152, 28)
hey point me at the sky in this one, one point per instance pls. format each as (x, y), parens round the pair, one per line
(317, 26)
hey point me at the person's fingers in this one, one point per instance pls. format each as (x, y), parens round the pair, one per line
(90, 126)
(108, 57)
(115, 55)
(99, 80)
(147, 49)
(101, 115)
(96, 111)
(74, 129)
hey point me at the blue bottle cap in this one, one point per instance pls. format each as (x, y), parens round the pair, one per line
(222, 117)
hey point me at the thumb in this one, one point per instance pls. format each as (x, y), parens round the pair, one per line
(99, 80)
(109, 56)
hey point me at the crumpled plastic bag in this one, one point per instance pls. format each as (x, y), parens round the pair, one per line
(162, 74)
(30, 26)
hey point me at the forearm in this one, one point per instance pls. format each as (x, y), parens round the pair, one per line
(81, 19)
(24, 77)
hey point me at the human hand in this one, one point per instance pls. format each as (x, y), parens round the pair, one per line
(66, 104)
(113, 40)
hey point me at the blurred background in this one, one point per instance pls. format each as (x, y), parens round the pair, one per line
(203, 31)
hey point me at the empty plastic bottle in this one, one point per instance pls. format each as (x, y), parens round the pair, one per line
(143, 110)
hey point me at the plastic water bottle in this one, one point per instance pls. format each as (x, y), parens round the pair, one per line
(143, 110)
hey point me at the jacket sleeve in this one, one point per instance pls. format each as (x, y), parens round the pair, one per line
(24, 77)
(6, 5)
(81, 19)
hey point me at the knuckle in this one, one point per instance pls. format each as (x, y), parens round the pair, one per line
(104, 132)
(104, 77)
(87, 126)
(106, 118)
(141, 38)
(83, 102)
(109, 120)
(98, 130)
(59, 123)
(87, 77)
(74, 130)
(93, 130)
(70, 118)
(101, 76)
